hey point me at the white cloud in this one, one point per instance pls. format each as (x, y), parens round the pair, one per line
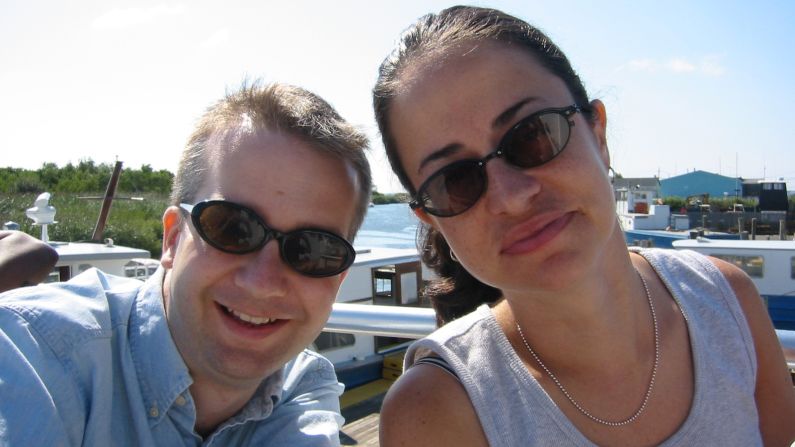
(125, 18)
(680, 66)
(706, 66)
(217, 39)
(710, 66)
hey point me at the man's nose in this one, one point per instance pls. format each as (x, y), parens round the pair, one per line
(263, 272)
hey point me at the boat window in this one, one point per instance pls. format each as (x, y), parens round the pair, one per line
(792, 267)
(54, 276)
(754, 266)
(332, 340)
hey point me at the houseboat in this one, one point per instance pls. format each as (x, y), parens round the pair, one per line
(769, 263)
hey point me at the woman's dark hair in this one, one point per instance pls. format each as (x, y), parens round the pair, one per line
(456, 292)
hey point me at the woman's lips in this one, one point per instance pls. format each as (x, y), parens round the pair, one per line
(533, 234)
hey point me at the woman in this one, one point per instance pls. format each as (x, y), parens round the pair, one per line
(491, 131)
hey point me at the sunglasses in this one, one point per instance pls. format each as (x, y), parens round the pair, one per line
(531, 142)
(236, 229)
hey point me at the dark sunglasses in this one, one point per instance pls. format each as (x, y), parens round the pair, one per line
(236, 229)
(531, 142)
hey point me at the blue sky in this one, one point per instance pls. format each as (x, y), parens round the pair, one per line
(688, 85)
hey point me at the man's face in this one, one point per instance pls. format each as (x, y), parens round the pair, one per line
(208, 293)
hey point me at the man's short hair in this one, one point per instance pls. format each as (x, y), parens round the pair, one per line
(280, 108)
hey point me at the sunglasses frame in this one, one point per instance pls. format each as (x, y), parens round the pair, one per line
(503, 150)
(196, 210)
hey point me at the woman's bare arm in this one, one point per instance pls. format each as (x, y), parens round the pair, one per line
(429, 407)
(775, 395)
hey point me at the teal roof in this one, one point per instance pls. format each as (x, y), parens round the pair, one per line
(701, 182)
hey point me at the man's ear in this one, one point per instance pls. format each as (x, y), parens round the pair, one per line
(172, 228)
(599, 126)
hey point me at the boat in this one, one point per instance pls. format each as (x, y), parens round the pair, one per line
(381, 279)
(649, 223)
(769, 263)
(77, 257)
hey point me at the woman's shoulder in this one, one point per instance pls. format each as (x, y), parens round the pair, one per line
(475, 320)
(427, 407)
(457, 335)
(774, 396)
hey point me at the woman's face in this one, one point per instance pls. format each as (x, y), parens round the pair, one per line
(533, 227)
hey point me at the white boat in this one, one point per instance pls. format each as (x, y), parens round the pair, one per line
(77, 257)
(385, 281)
(647, 222)
(770, 264)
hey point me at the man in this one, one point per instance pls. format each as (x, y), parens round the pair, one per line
(271, 186)
(24, 260)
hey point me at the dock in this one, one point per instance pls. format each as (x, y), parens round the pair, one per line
(361, 408)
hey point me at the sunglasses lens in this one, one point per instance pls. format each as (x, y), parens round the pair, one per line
(230, 228)
(454, 189)
(317, 253)
(536, 140)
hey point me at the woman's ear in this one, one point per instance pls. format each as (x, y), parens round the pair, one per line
(599, 127)
(172, 227)
(423, 216)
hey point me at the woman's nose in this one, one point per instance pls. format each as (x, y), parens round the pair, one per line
(510, 190)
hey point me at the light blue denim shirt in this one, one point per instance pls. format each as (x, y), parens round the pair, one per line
(91, 362)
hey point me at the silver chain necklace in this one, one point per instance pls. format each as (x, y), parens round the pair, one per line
(653, 371)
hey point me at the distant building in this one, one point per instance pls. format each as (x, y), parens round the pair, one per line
(772, 194)
(701, 182)
(651, 184)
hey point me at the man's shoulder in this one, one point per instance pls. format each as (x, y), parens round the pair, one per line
(309, 362)
(90, 304)
(308, 369)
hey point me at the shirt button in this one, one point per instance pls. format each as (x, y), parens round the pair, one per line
(181, 400)
(153, 412)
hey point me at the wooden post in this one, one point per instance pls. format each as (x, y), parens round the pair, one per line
(109, 193)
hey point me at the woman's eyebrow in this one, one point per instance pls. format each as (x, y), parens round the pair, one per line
(446, 151)
(500, 121)
(508, 115)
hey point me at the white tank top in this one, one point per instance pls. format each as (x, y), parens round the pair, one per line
(515, 411)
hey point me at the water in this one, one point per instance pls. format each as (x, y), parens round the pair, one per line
(393, 226)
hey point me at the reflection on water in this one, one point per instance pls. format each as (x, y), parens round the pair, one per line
(392, 226)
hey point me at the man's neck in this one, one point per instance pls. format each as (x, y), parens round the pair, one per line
(216, 403)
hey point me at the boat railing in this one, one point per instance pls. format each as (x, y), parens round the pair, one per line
(787, 341)
(417, 322)
(385, 321)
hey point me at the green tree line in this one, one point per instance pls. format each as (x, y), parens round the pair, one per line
(84, 177)
(381, 199)
(134, 223)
